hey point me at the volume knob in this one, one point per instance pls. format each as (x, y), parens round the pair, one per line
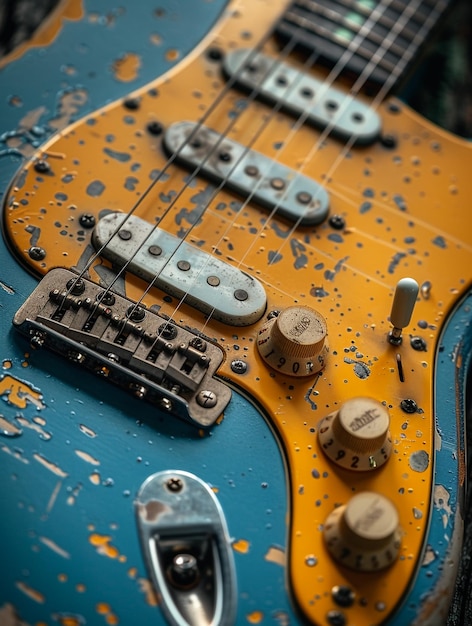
(357, 436)
(294, 342)
(364, 534)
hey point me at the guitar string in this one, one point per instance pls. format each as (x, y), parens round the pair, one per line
(274, 211)
(335, 72)
(342, 154)
(378, 99)
(354, 44)
(173, 157)
(229, 84)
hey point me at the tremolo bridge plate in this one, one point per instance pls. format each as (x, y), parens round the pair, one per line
(130, 345)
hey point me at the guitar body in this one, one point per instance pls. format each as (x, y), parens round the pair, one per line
(76, 451)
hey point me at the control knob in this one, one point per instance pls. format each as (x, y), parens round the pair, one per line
(357, 436)
(364, 534)
(294, 341)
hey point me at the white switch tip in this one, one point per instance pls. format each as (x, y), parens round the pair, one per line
(404, 301)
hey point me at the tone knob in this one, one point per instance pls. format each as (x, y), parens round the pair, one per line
(357, 436)
(364, 534)
(294, 342)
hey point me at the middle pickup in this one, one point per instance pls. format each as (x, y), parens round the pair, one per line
(250, 174)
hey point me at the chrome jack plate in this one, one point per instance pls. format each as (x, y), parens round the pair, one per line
(187, 549)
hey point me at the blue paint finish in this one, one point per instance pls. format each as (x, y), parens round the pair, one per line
(95, 188)
(400, 202)
(123, 157)
(396, 259)
(444, 539)
(440, 242)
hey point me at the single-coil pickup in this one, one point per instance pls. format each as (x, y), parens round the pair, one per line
(301, 95)
(181, 269)
(265, 181)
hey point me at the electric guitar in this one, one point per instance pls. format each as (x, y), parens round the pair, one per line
(237, 393)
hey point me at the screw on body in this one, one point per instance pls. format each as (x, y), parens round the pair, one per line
(174, 484)
(207, 399)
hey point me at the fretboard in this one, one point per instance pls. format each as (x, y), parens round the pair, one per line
(375, 39)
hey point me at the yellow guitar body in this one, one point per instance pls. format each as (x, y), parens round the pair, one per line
(405, 213)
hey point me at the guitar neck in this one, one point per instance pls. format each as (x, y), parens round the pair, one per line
(374, 39)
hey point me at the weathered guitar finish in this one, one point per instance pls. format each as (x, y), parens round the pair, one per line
(234, 233)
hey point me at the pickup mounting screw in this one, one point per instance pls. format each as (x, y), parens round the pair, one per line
(174, 484)
(87, 220)
(36, 253)
(207, 399)
(42, 167)
(337, 222)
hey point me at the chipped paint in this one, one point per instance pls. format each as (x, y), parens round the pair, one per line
(9, 616)
(256, 617)
(88, 458)
(145, 586)
(277, 555)
(9, 428)
(242, 546)
(52, 545)
(33, 594)
(35, 427)
(49, 465)
(126, 68)
(103, 546)
(19, 393)
(87, 431)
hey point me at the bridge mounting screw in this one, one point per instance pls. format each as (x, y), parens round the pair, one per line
(174, 484)
(238, 366)
(207, 399)
(37, 340)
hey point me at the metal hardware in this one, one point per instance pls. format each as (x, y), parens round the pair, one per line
(186, 546)
(123, 343)
(183, 270)
(267, 182)
(320, 102)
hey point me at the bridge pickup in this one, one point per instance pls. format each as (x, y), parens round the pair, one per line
(302, 94)
(181, 269)
(251, 174)
(128, 344)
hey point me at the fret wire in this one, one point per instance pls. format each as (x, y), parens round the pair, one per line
(372, 36)
(366, 54)
(408, 53)
(428, 24)
(384, 20)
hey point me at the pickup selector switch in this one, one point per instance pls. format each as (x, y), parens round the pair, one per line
(357, 436)
(294, 342)
(364, 534)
